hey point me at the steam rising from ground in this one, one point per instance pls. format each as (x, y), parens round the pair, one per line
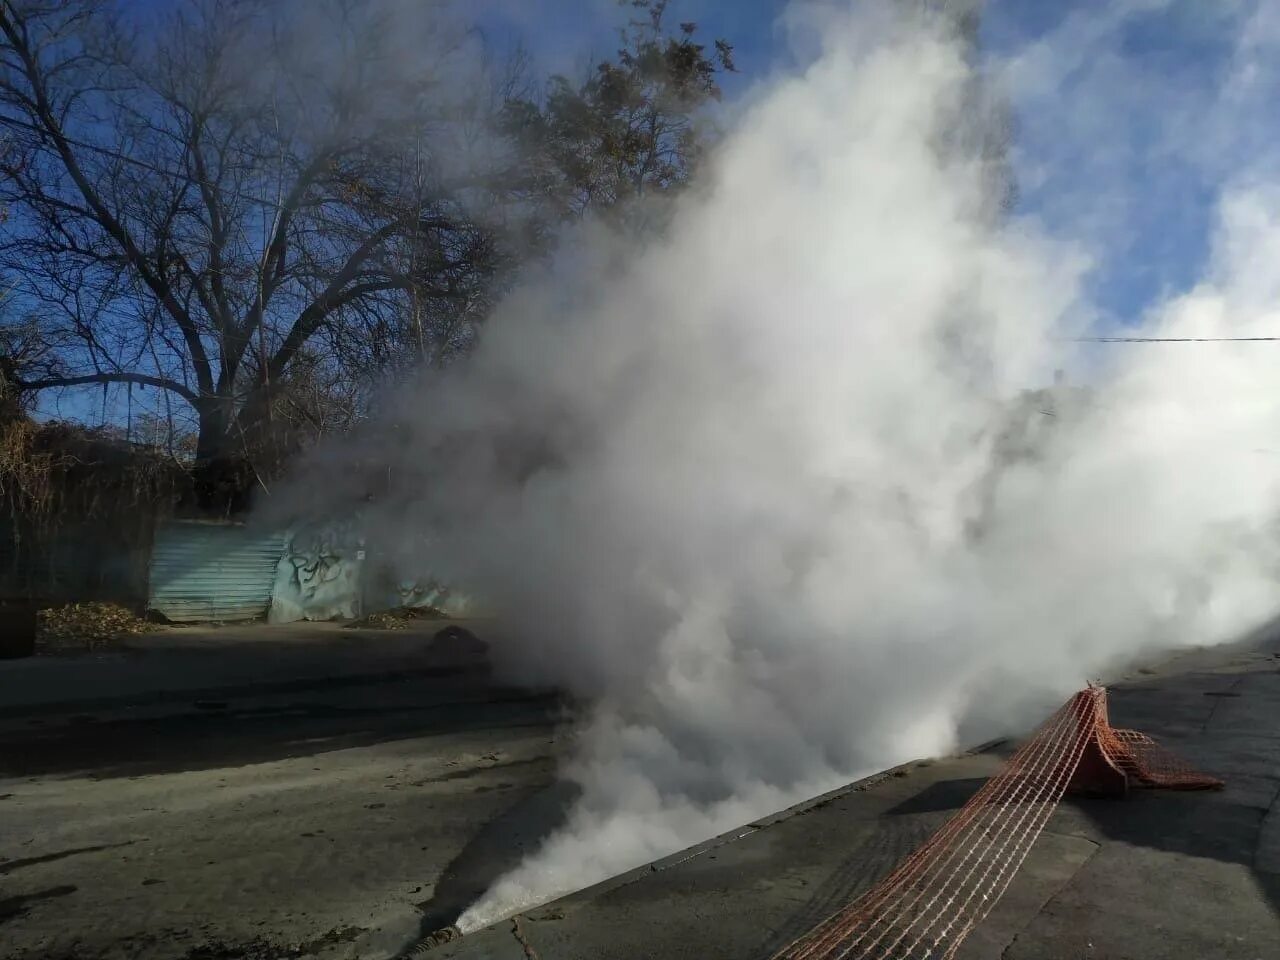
(774, 494)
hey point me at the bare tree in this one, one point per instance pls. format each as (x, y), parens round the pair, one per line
(204, 208)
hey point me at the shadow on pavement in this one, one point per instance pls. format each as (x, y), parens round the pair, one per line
(867, 863)
(494, 851)
(217, 734)
(1224, 720)
(1217, 708)
(945, 795)
(11, 907)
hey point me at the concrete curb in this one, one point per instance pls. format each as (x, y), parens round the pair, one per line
(796, 810)
(589, 893)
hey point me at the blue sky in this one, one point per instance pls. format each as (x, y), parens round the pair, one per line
(1094, 162)
(1163, 63)
(1108, 153)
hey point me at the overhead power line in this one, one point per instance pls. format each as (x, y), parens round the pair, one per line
(188, 176)
(1173, 339)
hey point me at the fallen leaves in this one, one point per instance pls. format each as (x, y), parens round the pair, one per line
(86, 626)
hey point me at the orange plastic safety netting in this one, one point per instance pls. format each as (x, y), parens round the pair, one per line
(1147, 764)
(935, 897)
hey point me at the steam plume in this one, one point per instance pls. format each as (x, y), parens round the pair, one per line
(779, 495)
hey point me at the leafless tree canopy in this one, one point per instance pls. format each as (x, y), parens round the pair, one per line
(200, 210)
(258, 208)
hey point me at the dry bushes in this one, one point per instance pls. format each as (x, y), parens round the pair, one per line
(58, 468)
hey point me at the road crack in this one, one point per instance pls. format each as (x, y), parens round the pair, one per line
(517, 931)
(1217, 701)
(1096, 846)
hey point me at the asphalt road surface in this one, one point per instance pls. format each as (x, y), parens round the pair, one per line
(347, 816)
(325, 820)
(1159, 875)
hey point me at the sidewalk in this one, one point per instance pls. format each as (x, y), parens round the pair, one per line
(182, 663)
(1158, 875)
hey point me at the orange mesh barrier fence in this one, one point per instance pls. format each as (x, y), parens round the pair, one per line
(933, 899)
(1150, 764)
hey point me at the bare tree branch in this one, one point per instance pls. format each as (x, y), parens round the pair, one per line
(200, 201)
(135, 378)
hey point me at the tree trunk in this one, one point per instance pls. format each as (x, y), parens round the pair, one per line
(222, 474)
(211, 442)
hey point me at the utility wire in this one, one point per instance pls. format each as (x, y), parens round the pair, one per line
(185, 175)
(189, 177)
(1173, 339)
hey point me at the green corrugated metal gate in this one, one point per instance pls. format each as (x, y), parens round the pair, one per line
(212, 571)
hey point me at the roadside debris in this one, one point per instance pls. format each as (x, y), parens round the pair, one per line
(399, 618)
(80, 627)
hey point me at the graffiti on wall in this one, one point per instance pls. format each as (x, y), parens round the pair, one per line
(428, 592)
(319, 575)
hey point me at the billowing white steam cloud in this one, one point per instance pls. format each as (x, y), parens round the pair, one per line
(790, 511)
